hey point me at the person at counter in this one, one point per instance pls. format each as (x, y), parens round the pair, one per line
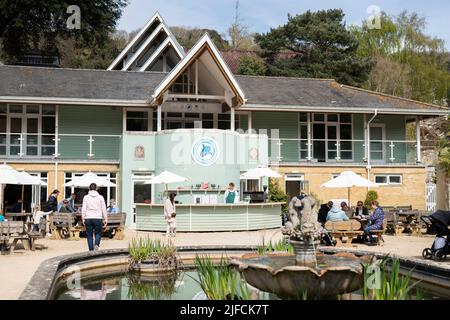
(231, 195)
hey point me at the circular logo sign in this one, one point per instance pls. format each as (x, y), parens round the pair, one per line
(205, 151)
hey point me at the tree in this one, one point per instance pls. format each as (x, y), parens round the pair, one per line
(37, 24)
(324, 48)
(74, 55)
(241, 38)
(421, 59)
(251, 66)
(188, 37)
(390, 76)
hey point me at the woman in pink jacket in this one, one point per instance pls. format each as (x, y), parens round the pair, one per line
(94, 216)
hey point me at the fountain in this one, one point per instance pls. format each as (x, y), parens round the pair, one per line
(308, 272)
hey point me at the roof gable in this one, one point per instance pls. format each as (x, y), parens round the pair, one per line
(142, 42)
(204, 44)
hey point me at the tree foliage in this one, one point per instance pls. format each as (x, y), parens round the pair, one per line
(444, 152)
(417, 62)
(187, 37)
(251, 66)
(37, 24)
(326, 49)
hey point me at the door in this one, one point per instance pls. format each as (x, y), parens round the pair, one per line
(332, 140)
(15, 127)
(31, 146)
(319, 148)
(377, 143)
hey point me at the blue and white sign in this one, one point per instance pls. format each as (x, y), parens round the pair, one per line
(205, 151)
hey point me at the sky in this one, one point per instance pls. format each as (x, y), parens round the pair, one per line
(261, 15)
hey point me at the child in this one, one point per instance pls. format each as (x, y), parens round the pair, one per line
(37, 216)
(173, 225)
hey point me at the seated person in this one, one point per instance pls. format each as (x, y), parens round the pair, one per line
(360, 210)
(375, 222)
(17, 207)
(65, 207)
(2, 218)
(323, 212)
(112, 208)
(346, 209)
(336, 214)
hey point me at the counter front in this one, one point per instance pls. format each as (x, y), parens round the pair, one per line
(211, 217)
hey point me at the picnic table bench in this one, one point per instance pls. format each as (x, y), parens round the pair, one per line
(15, 231)
(344, 231)
(69, 225)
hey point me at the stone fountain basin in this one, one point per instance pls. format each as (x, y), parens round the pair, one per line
(278, 273)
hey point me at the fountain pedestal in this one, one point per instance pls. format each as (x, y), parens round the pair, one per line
(305, 251)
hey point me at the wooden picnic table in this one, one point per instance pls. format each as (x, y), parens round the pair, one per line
(408, 220)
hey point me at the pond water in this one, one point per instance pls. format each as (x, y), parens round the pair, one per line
(181, 286)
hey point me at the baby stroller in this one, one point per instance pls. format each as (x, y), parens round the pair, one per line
(437, 223)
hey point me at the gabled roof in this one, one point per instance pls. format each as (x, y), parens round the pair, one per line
(162, 27)
(204, 43)
(21, 84)
(326, 95)
(77, 86)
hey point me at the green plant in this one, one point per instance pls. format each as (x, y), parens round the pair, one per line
(444, 153)
(371, 196)
(280, 245)
(391, 284)
(220, 282)
(141, 249)
(251, 66)
(277, 195)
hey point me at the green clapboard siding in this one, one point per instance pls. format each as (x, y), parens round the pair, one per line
(358, 134)
(211, 218)
(90, 120)
(287, 124)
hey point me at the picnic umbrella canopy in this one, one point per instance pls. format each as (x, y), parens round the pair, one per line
(348, 179)
(86, 179)
(260, 172)
(166, 177)
(9, 175)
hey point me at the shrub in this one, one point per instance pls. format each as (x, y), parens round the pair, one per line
(371, 196)
(277, 195)
(251, 66)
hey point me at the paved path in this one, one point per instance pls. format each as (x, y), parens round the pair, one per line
(18, 268)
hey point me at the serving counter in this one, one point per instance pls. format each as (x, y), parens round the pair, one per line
(211, 217)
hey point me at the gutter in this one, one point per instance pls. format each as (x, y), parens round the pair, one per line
(79, 101)
(261, 107)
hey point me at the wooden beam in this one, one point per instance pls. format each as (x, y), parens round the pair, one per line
(195, 96)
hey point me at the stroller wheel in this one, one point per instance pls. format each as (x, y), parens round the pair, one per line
(427, 254)
(440, 255)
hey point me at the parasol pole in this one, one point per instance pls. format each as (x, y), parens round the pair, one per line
(23, 187)
(348, 194)
(2, 189)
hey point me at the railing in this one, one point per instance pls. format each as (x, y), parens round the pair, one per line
(342, 151)
(60, 146)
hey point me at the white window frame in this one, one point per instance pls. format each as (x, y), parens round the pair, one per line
(383, 138)
(24, 116)
(388, 179)
(149, 118)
